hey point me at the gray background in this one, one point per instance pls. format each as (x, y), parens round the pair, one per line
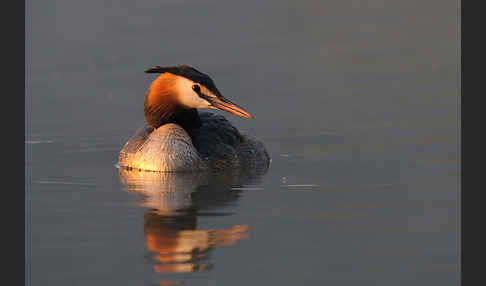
(357, 103)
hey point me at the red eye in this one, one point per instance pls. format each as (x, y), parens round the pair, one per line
(196, 88)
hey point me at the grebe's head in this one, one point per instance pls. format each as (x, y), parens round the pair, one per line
(183, 87)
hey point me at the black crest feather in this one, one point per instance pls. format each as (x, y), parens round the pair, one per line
(189, 73)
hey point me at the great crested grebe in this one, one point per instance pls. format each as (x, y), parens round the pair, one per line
(179, 138)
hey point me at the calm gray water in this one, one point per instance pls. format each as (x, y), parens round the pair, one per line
(356, 101)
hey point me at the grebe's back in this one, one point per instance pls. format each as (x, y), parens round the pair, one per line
(215, 145)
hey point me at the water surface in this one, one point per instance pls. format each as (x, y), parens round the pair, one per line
(356, 102)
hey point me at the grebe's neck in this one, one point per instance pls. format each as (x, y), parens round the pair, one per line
(186, 118)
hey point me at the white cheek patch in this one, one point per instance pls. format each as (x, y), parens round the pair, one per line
(188, 97)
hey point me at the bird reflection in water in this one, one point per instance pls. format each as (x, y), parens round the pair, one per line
(179, 247)
(175, 201)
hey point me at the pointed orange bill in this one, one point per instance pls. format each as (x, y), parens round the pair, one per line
(226, 105)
